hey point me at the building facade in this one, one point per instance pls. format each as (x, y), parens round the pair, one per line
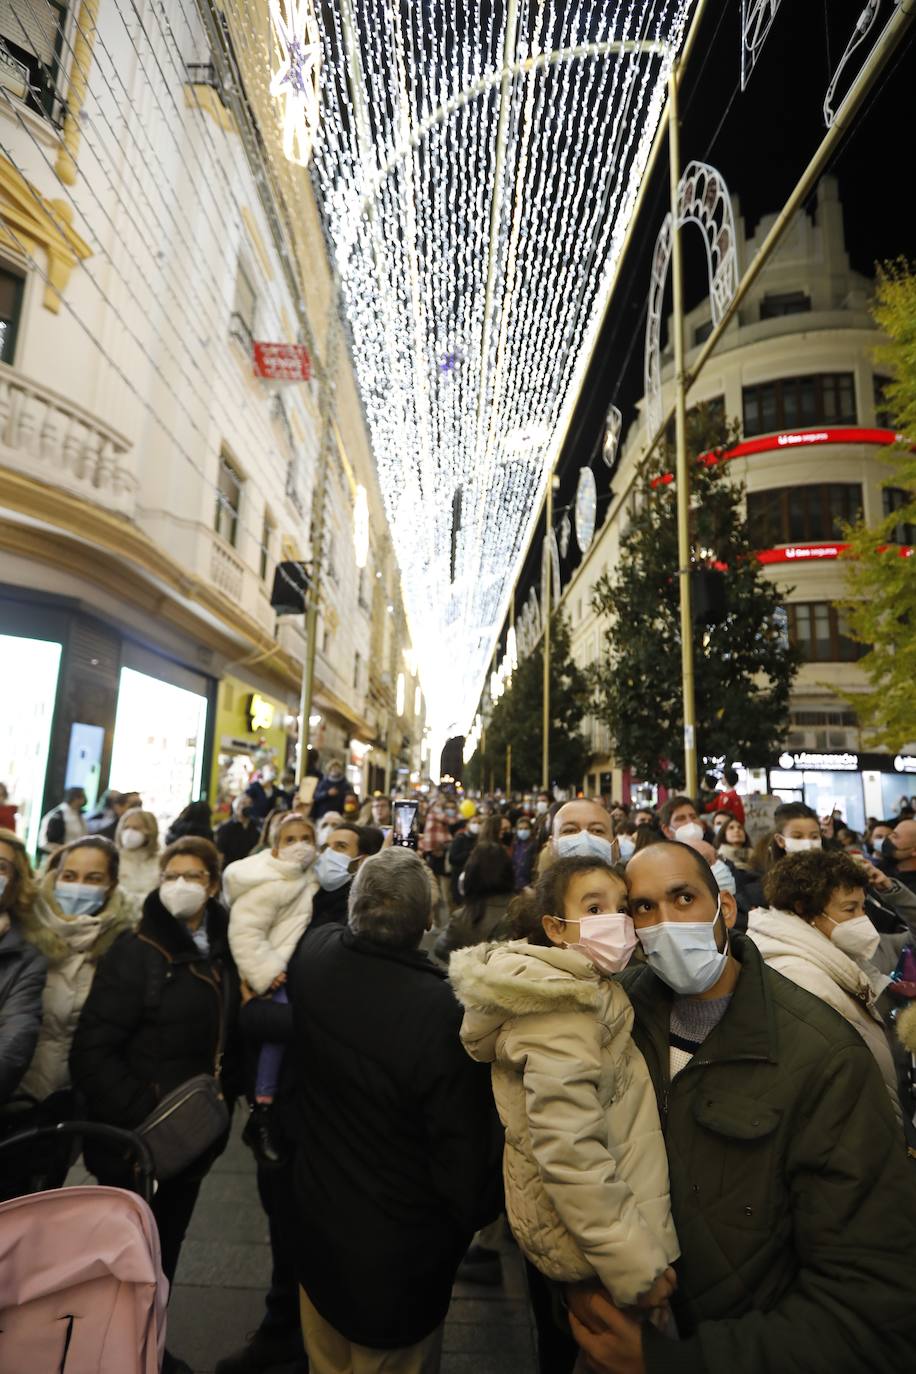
(796, 367)
(153, 488)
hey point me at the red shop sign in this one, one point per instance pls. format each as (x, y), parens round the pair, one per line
(281, 362)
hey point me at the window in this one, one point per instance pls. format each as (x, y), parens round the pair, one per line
(10, 306)
(241, 323)
(799, 403)
(819, 630)
(883, 416)
(228, 500)
(895, 498)
(30, 51)
(791, 515)
(702, 332)
(357, 664)
(789, 303)
(713, 410)
(267, 536)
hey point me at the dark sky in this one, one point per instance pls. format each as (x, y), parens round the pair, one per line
(761, 140)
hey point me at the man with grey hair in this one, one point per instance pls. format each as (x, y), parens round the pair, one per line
(398, 1158)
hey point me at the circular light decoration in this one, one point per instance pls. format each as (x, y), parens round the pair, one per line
(296, 80)
(361, 526)
(565, 532)
(586, 508)
(612, 427)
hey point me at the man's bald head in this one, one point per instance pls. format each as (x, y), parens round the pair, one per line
(582, 815)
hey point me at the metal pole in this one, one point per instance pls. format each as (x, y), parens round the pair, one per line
(508, 771)
(682, 483)
(545, 611)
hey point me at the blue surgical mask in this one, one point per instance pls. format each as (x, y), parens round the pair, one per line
(627, 846)
(80, 899)
(332, 869)
(725, 878)
(523, 833)
(684, 954)
(585, 845)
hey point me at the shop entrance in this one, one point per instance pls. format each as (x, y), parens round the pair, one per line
(159, 739)
(31, 668)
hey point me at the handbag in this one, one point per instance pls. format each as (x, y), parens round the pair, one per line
(190, 1119)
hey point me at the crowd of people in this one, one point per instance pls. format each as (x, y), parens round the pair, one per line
(676, 1057)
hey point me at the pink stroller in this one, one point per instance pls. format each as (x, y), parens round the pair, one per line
(81, 1285)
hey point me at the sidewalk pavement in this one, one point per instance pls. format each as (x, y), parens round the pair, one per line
(225, 1270)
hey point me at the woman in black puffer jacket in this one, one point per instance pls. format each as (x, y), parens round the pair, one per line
(159, 1001)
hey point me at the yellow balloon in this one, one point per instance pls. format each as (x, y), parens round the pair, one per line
(467, 809)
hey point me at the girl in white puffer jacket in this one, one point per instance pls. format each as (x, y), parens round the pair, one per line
(269, 896)
(586, 1174)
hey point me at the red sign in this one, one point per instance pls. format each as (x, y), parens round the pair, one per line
(805, 438)
(280, 362)
(812, 553)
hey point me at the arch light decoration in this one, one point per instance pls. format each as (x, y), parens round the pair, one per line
(476, 168)
(756, 21)
(703, 200)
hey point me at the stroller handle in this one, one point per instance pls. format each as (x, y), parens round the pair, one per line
(113, 1134)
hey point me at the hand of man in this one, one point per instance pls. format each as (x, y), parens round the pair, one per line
(610, 1341)
(660, 1291)
(876, 878)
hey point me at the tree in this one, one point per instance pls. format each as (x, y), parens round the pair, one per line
(518, 718)
(744, 664)
(881, 610)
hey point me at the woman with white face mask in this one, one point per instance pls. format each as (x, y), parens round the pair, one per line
(137, 839)
(163, 1009)
(815, 932)
(78, 915)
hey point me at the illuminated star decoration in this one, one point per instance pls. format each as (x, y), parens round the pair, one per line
(476, 174)
(296, 80)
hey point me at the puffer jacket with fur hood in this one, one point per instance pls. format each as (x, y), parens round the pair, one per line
(802, 954)
(73, 947)
(586, 1175)
(270, 907)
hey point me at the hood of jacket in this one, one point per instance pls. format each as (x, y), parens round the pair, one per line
(257, 869)
(172, 938)
(780, 934)
(45, 926)
(497, 982)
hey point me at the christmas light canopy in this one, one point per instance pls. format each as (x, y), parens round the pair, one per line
(477, 167)
(296, 79)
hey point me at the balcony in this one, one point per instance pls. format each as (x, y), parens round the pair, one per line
(45, 436)
(227, 571)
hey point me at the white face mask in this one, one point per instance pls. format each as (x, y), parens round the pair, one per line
(132, 839)
(690, 830)
(684, 954)
(542, 808)
(523, 833)
(607, 940)
(857, 938)
(301, 853)
(585, 845)
(627, 846)
(182, 899)
(796, 846)
(473, 828)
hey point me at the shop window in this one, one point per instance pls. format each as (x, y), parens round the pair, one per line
(241, 323)
(11, 285)
(31, 43)
(791, 515)
(896, 498)
(820, 398)
(820, 631)
(788, 303)
(228, 500)
(268, 529)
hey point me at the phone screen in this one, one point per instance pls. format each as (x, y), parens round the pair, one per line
(404, 815)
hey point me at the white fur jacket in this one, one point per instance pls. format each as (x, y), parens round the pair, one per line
(585, 1168)
(270, 906)
(802, 954)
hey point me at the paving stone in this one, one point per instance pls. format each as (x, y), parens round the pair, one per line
(206, 1323)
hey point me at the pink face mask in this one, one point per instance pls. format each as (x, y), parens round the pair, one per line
(607, 940)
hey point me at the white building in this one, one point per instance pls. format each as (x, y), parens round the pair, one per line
(796, 367)
(150, 483)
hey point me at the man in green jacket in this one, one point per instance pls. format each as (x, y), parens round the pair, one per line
(791, 1191)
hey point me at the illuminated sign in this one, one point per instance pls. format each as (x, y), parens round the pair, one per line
(260, 713)
(803, 438)
(905, 763)
(801, 553)
(821, 763)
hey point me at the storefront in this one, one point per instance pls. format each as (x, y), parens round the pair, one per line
(31, 672)
(252, 730)
(856, 785)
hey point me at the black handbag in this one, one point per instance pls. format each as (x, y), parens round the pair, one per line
(190, 1119)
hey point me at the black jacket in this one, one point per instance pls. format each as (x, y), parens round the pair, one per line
(330, 907)
(23, 972)
(153, 1016)
(235, 840)
(399, 1160)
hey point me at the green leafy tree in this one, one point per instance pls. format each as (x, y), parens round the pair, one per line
(518, 719)
(744, 665)
(881, 611)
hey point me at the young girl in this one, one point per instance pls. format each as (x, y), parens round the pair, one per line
(732, 843)
(270, 899)
(586, 1173)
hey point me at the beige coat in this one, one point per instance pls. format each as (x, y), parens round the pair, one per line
(585, 1168)
(802, 954)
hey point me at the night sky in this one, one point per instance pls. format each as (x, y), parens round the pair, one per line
(761, 140)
